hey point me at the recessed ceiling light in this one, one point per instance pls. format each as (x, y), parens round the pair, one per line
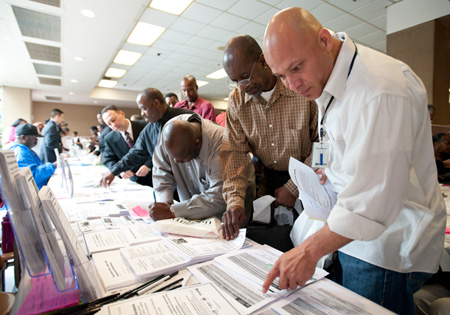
(125, 57)
(95, 102)
(145, 34)
(115, 73)
(107, 83)
(226, 99)
(88, 13)
(219, 74)
(79, 58)
(174, 6)
(74, 81)
(202, 83)
(71, 93)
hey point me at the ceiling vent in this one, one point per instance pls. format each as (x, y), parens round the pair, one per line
(37, 24)
(47, 69)
(53, 98)
(44, 52)
(54, 3)
(50, 81)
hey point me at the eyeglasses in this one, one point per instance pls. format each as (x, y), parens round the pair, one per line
(245, 82)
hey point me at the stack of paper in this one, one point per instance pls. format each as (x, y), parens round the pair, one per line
(104, 240)
(151, 259)
(199, 249)
(113, 270)
(140, 233)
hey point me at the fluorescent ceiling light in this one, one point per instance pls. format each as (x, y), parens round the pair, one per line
(88, 13)
(145, 34)
(219, 74)
(71, 93)
(115, 73)
(125, 57)
(78, 58)
(202, 83)
(107, 83)
(173, 6)
(226, 99)
(74, 81)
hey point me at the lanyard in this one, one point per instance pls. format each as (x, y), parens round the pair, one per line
(332, 97)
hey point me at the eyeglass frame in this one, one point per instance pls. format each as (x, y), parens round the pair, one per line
(244, 82)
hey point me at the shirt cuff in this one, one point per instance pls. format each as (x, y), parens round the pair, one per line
(292, 188)
(236, 202)
(352, 225)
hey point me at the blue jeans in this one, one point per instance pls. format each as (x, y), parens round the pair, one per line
(392, 290)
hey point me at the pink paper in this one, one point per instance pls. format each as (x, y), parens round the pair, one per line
(447, 230)
(43, 297)
(140, 212)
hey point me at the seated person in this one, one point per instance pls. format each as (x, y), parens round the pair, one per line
(187, 158)
(26, 138)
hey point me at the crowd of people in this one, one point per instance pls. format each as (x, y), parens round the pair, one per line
(306, 90)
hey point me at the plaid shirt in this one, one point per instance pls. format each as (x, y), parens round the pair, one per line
(273, 131)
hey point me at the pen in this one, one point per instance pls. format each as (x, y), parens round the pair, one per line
(168, 287)
(96, 306)
(175, 287)
(154, 195)
(145, 290)
(81, 307)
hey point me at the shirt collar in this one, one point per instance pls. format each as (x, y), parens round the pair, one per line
(337, 81)
(279, 90)
(129, 129)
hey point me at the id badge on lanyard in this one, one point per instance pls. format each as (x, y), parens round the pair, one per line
(320, 154)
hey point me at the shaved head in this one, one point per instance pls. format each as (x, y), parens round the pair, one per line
(300, 51)
(182, 139)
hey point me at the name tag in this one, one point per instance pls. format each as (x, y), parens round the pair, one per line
(321, 154)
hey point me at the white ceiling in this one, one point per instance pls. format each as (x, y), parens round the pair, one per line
(190, 45)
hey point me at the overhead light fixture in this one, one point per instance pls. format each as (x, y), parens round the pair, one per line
(88, 13)
(95, 102)
(219, 74)
(201, 83)
(125, 57)
(145, 34)
(173, 7)
(226, 99)
(74, 81)
(107, 83)
(115, 73)
(78, 58)
(71, 93)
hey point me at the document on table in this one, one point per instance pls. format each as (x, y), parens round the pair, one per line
(151, 259)
(317, 199)
(104, 240)
(200, 249)
(244, 295)
(90, 226)
(113, 270)
(255, 263)
(327, 297)
(199, 299)
(140, 233)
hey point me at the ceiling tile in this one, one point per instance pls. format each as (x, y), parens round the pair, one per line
(157, 17)
(361, 30)
(266, 16)
(200, 41)
(187, 26)
(176, 36)
(201, 13)
(342, 23)
(229, 21)
(371, 10)
(306, 4)
(213, 32)
(380, 46)
(249, 9)
(253, 29)
(326, 12)
(380, 21)
(218, 4)
(271, 2)
(350, 5)
(211, 54)
(136, 48)
(189, 50)
(373, 37)
(166, 44)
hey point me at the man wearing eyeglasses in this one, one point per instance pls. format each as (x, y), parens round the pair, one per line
(269, 120)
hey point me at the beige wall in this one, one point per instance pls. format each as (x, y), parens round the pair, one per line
(78, 117)
(16, 104)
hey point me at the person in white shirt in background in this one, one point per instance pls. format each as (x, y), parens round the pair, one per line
(389, 220)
